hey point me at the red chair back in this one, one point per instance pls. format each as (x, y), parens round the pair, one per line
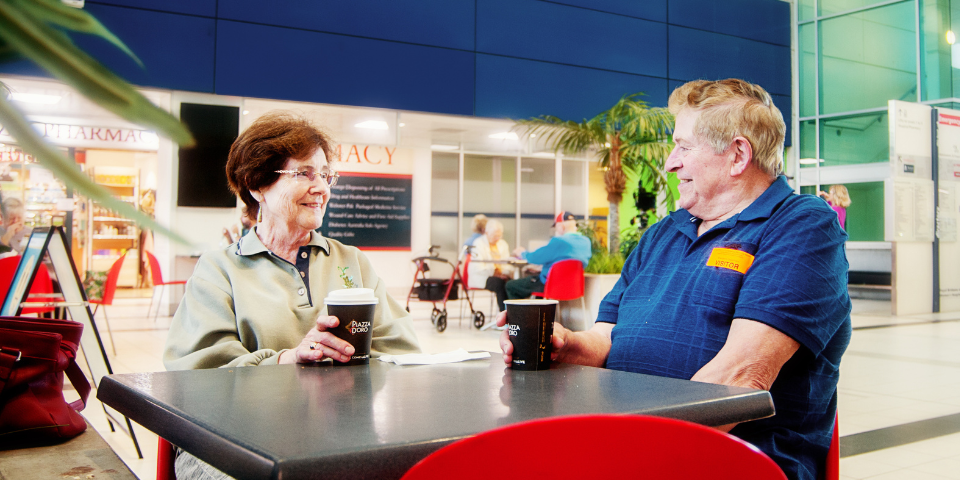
(113, 276)
(155, 274)
(832, 470)
(606, 446)
(42, 284)
(564, 280)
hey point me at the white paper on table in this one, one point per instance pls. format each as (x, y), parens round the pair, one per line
(458, 355)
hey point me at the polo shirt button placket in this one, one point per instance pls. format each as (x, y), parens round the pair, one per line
(301, 292)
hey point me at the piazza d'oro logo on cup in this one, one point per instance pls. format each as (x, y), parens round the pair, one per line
(356, 327)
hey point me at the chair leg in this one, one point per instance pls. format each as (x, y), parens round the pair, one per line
(152, 299)
(113, 345)
(156, 315)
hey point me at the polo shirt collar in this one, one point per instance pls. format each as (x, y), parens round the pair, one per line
(762, 207)
(250, 244)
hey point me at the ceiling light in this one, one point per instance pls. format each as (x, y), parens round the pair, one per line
(444, 147)
(951, 37)
(505, 136)
(532, 135)
(373, 125)
(246, 112)
(37, 98)
(810, 161)
(403, 124)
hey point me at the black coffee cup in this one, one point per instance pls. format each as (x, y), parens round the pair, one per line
(530, 329)
(356, 323)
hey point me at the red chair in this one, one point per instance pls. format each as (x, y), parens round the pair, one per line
(166, 457)
(605, 446)
(565, 282)
(832, 470)
(41, 288)
(109, 289)
(158, 282)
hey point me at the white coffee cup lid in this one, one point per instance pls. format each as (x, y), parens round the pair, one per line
(351, 296)
(531, 301)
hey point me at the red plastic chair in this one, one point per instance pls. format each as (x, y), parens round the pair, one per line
(109, 289)
(832, 470)
(166, 457)
(604, 447)
(158, 282)
(40, 289)
(565, 282)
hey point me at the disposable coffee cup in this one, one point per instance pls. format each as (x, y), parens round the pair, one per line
(530, 329)
(354, 307)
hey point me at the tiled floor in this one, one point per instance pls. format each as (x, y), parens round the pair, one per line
(897, 371)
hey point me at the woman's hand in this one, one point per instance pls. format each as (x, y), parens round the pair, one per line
(319, 344)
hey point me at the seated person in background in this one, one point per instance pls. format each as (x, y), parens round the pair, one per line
(567, 243)
(477, 226)
(12, 230)
(744, 285)
(235, 232)
(490, 276)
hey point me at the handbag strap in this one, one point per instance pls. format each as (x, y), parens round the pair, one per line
(80, 383)
(8, 356)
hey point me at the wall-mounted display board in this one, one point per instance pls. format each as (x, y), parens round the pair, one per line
(51, 241)
(948, 207)
(370, 211)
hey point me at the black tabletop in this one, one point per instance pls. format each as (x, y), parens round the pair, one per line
(377, 421)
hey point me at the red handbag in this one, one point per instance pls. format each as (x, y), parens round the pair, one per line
(34, 355)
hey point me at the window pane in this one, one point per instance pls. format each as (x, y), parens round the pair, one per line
(443, 232)
(935, 61)
(829, 7)
(537, 178)
(806, 10)
(865, 213)
(852, 140)
(868, 58)
(489, 187)
(573, 192)
(808, 71)
(808, 144)
(444, 181)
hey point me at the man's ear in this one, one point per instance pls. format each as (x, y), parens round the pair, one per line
(743, 155)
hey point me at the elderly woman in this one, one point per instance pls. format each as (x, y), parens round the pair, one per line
(486, 275)
(260, 300)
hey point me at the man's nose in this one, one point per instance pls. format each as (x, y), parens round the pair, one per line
(673, 163)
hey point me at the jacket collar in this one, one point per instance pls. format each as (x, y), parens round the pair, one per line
(250, 244)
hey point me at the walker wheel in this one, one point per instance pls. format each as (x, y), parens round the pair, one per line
(478, 319)
(434, 315)
(442, 322)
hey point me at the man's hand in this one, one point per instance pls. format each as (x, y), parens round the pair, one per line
(583, 348)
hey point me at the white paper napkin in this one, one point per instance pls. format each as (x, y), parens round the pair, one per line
(458, 355)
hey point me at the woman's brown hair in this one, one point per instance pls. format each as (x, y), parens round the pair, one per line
(265, 146)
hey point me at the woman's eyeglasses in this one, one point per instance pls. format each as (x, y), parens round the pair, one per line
(310, 174)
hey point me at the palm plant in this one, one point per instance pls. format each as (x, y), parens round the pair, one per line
(630, 135)
(34, 29)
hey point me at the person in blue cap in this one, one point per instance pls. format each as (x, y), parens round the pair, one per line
(566, 244)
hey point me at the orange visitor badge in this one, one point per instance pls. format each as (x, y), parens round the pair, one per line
(730, 259)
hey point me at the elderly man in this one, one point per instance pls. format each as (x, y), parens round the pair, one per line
(744, 285)
(566, 244)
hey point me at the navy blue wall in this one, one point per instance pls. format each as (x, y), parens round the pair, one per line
(490, 58)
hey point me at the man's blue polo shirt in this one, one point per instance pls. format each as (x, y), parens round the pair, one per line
(673, 312)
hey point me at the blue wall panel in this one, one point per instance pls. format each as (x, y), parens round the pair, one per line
(697, 54)
(762, 20)
(784, 103)
(648, 9)
(176, 50)
(326, 68)
(517, 88)
(558, 33)
(207, 8)
(444, 23)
